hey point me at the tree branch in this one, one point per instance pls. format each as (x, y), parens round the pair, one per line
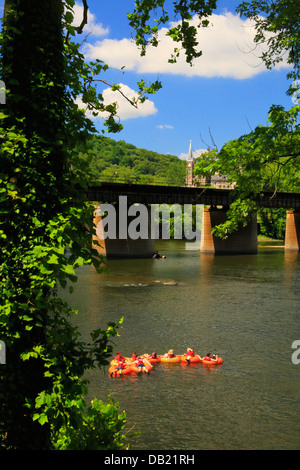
(276, 158)
(132, 102)
(84, 19)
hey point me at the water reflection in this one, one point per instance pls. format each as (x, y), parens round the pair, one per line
(291, 271)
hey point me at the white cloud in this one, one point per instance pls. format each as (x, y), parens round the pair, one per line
(227, 45)
(196, 154)
(92, 27)
(165, 126)
(125, 110)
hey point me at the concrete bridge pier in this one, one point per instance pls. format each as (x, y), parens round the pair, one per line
(243, 241)
(118, 243)
(292, 231)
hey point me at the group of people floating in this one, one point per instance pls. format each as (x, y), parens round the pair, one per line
(121, 365)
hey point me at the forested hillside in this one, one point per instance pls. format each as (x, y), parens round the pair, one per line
(110, 160)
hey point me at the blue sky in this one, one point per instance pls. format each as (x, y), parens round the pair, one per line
(225, 94)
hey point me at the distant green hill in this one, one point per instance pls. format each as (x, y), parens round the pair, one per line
(110, 160)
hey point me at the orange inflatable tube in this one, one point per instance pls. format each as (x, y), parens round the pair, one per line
(212, 362)
(191, 360)
(170, 360)
(135, 368)
(113, 372)
(115, 363)
(152, 360)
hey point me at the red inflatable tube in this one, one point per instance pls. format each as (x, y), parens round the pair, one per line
(191, 360)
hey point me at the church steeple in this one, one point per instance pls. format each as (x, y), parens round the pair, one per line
(190, 154)
(189, 166)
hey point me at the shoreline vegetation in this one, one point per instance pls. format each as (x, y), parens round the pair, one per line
(269, 242)
(269, 239)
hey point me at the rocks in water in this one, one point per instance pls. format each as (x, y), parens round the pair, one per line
(157, 255)
(166, 283)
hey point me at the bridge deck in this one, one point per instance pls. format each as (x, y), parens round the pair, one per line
(154, 194)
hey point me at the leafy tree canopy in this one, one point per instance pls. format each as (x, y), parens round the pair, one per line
(267, 159)
(43, 231)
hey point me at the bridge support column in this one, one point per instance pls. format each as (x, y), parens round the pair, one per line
(292, 231)
(243, 241)
(120, 246)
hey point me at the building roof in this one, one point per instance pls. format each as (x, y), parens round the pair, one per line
(190, 157)
(217, 177)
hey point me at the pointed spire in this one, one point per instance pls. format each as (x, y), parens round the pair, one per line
(190, 154)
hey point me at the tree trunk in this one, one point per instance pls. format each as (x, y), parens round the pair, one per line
(34, 74)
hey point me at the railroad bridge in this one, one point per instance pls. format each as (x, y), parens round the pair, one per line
(217, 202)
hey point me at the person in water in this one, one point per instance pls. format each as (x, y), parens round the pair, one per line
(157, 255)
(141, 365)
(119, 367)
(153, 355)
(189, 353)
(147, 357)
(208, 357)
(170, 354)
(119, 357)
(134, 357)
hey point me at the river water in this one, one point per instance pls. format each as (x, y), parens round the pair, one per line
(244, 308)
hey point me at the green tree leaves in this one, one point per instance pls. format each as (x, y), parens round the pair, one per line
(277, 25)
(100, 428)
(45, 230)
(109, 160)
(145, 24)
(267, 159)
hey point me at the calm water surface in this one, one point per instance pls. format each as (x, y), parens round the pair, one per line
(244, 308)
